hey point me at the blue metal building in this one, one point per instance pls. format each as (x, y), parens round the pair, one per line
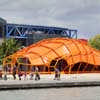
(22, 32)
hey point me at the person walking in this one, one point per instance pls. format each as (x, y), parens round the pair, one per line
(5, 75)
(31, 76)
(19, 75)
(0, 75)
(14, 72)
(37, 75)
(57, 74)
(25, 75)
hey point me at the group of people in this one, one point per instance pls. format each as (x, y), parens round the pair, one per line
(32, 74)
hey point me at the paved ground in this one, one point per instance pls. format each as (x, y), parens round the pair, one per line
(49, 79)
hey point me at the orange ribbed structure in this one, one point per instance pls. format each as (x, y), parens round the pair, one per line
(69, 55)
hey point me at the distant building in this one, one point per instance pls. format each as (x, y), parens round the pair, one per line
(2, 27)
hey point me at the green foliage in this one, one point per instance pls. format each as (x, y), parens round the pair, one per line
(95, 42)
(8, 47)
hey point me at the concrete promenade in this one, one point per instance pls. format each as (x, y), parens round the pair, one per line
(72, 80)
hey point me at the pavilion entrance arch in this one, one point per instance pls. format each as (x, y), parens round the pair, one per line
(61, 64)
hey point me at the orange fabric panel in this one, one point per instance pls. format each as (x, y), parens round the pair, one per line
(34, 59)
(52, 45)
(84, 58)
(51, 55)
(81, 48)
(37, 61)
(88, 49)
(76, 59)
(73, 49)
(91, 59)
(62, 51)
(40, 50)
(97, 60)
(32, 56)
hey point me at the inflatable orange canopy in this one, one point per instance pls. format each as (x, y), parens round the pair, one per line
(43, 53)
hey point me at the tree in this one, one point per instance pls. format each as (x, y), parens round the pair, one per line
(95, 41)
(8, 47)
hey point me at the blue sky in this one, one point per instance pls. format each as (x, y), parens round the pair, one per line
(83, 15)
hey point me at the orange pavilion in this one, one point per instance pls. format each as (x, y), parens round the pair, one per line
(69, 55)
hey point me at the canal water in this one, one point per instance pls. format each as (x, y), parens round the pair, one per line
(77, 93)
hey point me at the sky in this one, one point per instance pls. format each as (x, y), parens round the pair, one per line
(83, 15)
